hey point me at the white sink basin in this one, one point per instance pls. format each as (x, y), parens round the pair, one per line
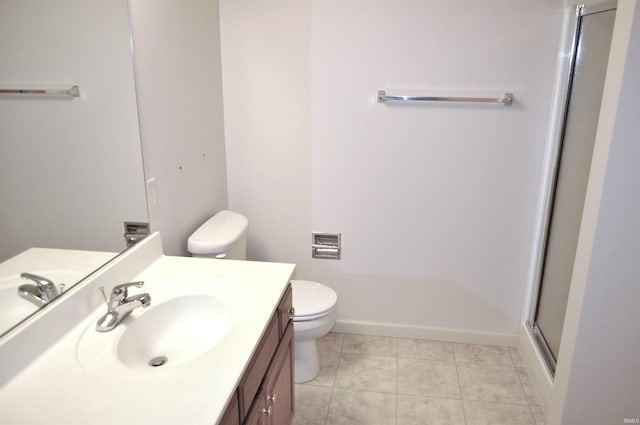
(14, 308)
(185, 321)
(178, 330)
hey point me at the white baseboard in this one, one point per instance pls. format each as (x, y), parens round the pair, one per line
(541, 379)
(425, 332)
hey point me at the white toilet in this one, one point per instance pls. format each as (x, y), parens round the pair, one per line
(222, 236)
(315, 307)
(225, 236)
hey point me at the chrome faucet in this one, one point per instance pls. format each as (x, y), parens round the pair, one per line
(42, 293)
(120, 305)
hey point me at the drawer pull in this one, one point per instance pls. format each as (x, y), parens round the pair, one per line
(267, 411)
(292, 312)
(271, 397)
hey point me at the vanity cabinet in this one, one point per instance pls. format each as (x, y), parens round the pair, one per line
(274, 402)
(265, 395)
(285, 310)
(278, 383)
(257, 369)
(230, 416)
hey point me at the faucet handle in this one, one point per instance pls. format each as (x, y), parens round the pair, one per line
(122, 288)
(41, 281)
(47, 288)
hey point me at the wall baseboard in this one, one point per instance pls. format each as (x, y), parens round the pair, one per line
(425, 332)
(541, 379)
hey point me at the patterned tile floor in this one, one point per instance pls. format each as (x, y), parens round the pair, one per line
(370, 380)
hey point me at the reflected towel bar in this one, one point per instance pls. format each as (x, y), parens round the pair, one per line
(506, 99)
(73, 91)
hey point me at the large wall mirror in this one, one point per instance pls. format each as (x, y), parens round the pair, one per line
(71, 170)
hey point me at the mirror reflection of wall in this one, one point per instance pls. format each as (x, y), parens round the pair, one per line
(178, 73)
(71, 169)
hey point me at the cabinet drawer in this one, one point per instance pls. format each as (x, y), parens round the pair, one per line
(285, 310)
(257, 368)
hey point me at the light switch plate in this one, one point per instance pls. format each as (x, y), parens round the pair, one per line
(152, 194)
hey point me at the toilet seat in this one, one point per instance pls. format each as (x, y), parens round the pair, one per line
(299, 319)
(312, 300)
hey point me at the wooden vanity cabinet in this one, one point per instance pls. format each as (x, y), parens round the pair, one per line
(278, 382)
(274, 402)
(259, 412)
(265, 395)
(255, 372)
(231, 414)
(285, 310)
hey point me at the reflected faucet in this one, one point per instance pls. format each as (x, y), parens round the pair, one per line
(42, 293)
(119, 305)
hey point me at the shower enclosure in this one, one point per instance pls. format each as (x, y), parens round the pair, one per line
(588, 64)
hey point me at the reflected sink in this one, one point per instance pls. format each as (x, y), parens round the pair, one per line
(185, 321)
(13, 308)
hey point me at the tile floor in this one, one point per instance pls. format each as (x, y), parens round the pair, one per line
(370, 380)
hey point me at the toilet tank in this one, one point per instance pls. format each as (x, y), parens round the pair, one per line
(222, 236)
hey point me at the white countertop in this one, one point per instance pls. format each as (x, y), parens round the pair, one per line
(56, 389)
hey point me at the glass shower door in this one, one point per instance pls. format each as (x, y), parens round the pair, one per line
(581, 119)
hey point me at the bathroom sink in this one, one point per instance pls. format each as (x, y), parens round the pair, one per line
(14, 308)
(185, 321)
(176, 331)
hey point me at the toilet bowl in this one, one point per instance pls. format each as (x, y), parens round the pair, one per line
(315, 307)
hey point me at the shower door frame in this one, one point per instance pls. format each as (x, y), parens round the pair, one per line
(566, 83)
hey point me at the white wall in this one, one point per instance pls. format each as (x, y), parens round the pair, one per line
(435, 203)
(177, 67)
(598, 365)
(70, 168)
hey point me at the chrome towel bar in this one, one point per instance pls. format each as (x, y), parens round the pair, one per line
(506, 99)
(74, 91)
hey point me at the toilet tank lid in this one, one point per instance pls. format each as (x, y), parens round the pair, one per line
(311, 298)
(218, 233)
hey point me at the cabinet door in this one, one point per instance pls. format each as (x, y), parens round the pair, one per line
(285, 310)
(279, 386)
(258, 366)
(260, 411)
(231, 416)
